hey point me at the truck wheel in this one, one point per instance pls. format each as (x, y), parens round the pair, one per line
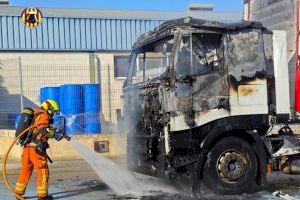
(231, 167)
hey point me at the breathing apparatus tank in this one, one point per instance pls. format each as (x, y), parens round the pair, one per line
(26, 120)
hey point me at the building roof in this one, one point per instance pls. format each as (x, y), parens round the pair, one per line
(125, 14)
(87, 29)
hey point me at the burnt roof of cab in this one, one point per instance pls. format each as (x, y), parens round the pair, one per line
(167, 27)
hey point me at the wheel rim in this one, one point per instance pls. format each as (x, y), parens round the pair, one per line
(231, 166)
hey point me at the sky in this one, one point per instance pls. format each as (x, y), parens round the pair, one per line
(160, 5)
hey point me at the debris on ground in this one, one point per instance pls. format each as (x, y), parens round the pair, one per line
(283, 195)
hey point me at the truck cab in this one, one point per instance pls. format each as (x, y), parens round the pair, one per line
(199, 100)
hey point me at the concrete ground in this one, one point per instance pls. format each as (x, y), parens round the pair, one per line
(75, 180)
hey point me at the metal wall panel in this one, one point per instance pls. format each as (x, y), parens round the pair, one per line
(72, 34)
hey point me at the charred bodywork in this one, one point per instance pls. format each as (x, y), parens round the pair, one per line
(191, 83)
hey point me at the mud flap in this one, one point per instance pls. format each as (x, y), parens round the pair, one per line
(260, 152)
(198, 173)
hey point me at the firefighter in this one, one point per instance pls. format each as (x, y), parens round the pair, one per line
(34, 152)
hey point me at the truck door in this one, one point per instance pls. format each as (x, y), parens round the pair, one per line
(210, 83)
(201, 80)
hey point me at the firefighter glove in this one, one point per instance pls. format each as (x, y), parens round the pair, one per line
(58, 134)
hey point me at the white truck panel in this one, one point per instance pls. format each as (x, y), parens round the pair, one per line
(281, 73)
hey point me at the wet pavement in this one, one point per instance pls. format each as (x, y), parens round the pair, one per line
(75, 180)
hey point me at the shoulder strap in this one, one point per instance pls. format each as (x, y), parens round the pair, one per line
(31, 136)
(36, 116)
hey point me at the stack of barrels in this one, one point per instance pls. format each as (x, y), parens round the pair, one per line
(79, 105)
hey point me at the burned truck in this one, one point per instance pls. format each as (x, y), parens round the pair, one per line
(200, 100)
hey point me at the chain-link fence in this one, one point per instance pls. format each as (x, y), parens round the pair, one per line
(22, 78)
(10, 92)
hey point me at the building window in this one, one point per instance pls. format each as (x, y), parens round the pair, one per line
(155, 64)
(121, 66)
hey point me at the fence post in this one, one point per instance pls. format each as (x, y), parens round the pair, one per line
(99, 81)
(21, 82)
(92, 67)
(98, 70)
(109, 96)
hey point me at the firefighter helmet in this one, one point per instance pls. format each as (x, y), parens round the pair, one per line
(50, 106)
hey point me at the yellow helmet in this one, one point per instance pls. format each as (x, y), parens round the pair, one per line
(50, 106)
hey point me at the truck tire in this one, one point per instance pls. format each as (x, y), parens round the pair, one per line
(231, 167)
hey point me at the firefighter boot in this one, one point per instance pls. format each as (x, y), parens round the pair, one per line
(49, 197)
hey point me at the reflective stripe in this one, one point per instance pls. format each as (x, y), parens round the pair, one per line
(19, 191)
(42, 190)
(20, 188)
(30, 145)
(44, 178)
(21, 185)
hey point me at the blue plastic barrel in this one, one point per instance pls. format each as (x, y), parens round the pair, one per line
(92, 103)
(17, 121)
(49, 93)
(42, 94)
(61, 99)
(73, 108)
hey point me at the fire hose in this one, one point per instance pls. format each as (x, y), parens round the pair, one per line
(5, 160)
